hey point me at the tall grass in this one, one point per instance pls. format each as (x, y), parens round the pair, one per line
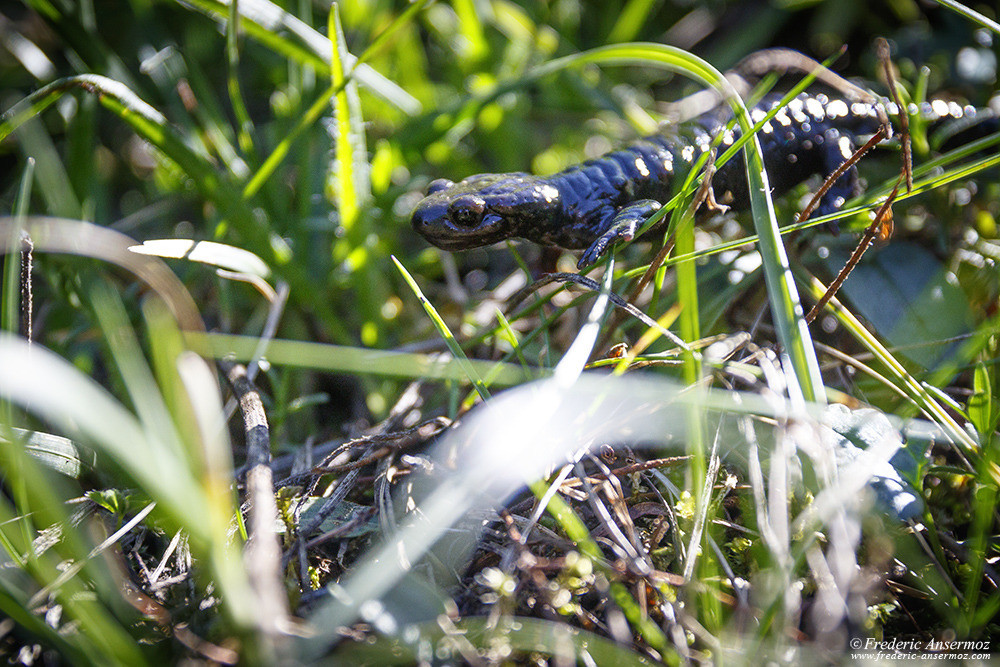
(292, 143)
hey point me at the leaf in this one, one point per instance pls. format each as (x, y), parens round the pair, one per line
(342, 515)
(982, 412)
(902, 290)
(207, 252)
(56, 452)
(348, 182)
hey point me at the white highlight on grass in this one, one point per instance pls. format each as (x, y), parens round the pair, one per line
(524, 432)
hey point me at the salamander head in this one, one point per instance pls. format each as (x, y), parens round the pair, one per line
(482, 209)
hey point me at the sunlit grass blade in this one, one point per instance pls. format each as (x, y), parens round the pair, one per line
(631, 20)
(786, 308)
(385, 37)
(244, 125)
(971, 14)
(154, 128)
(271, 25)
(456, 350)
(347, 182)
(682, 222)
(506, 332)
(220, 255)
(573, 362)
(348, 186)
(360, 360)
(982, 408)
(471, 28)
(135, 374)
(687, 291)
(278, 154)
(55, 452)
(647, 338)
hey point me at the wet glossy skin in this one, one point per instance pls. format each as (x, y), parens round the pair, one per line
(599, 202)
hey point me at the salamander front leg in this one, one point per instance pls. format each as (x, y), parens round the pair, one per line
(622, 227)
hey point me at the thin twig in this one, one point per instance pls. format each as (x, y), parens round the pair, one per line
(630, 469)
(884, 56)
(866, 240)
(410, 399)
(27, 297)
(399, 440)
(881, 134)
(262, 553)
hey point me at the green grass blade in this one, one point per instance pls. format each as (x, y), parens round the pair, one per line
(81, 406)
(385, 37)
(445, 333)
(139, 382)
(473, 46)
(90, 600)
(913, 388)
(575, 359)
(284, 147)
(152, 126)
(981, 407)
(687, 293)
(244, 125)
(272, 25)
(349, 185)
(631, 20)
(971, 14)
(360, 360)
(786, 307)
(55, 185)
(54, 452)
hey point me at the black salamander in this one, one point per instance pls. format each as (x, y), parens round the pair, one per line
(599, 202)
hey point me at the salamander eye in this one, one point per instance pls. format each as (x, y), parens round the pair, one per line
(438, 185)
(467, 211)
